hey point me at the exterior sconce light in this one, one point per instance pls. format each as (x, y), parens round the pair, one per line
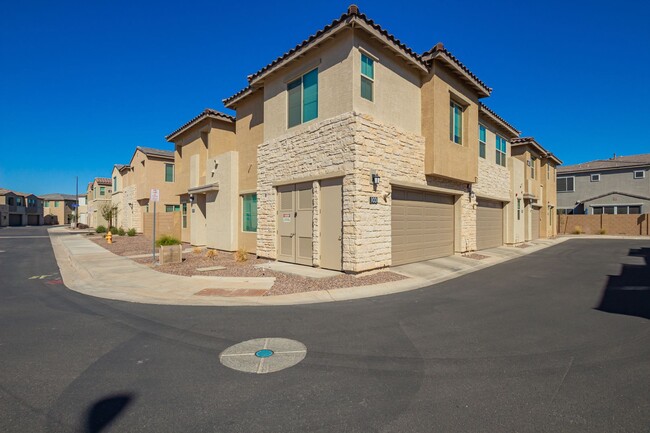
(374, 178)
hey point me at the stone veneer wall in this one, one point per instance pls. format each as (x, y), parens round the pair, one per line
(356, 145)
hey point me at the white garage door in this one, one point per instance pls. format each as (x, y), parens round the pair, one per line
(422, 226)
(489, 224)
(535, 223)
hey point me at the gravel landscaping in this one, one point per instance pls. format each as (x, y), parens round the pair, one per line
(126, 245)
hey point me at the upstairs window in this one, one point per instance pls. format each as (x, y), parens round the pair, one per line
(639, 174)
(501, 151)
(102, 191)
(455, 122)
(114, 183)
(56, 204)
(46, 203)
(565, 184)
(481, 141)
(532, 167)
(548, 170)
(169, 172)
(303, 99)
(595, 177)
(367, 77)
(19, 201)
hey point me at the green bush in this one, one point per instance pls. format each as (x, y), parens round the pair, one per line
(121, 231)
(100, 229)
(131, 232)
(113, 230)
(166, 240)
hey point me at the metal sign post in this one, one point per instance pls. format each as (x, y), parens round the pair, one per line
(155, 197)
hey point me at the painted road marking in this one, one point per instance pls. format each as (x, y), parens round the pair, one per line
(40, 277)
(263, 355)
(22, 237)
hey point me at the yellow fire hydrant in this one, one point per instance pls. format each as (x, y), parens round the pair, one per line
(109, 237)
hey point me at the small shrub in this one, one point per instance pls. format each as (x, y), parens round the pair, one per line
(166, 240)
(113, 230)
(577, 230)
(241, 255)
(100, 229)
(602, 232)
(121, 232)
(131, 232)
(197, 250)
(82, 226)
(211, 254)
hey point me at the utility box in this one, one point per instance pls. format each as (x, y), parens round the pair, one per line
(170, 254)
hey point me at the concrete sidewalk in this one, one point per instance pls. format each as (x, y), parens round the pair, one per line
(92, 270)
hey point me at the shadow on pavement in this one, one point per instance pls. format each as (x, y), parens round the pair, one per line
(629, 293)
(105, 411)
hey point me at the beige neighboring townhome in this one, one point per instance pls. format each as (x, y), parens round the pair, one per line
(539, 190)
(132, 184)
(58, 208)
(83, 209)
(20, 209)
(208, 174)
(99, 195)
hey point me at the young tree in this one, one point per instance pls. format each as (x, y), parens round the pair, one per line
(108, 211)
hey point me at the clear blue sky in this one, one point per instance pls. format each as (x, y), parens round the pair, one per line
(84, 82)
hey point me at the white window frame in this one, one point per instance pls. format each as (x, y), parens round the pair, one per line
(642, 172)
(595, 177)
(566, 177)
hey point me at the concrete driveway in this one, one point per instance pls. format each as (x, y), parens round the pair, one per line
(554, 341)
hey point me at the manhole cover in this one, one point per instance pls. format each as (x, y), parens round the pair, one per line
(263, 355)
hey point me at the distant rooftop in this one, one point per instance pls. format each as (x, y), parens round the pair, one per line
(616, 162)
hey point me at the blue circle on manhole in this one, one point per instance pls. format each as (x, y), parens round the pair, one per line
(264, 353)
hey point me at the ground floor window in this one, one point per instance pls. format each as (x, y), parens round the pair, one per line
(184, 207)
(172, 208)
(249, 223)
(617, 210)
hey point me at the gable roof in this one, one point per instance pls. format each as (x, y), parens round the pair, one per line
(208, 113)
(354, 18)
(439, 52)
(530, 141)
(4, 191)
(160, 153)
(485, 110)
(104, 181)
(616, 192)
(615, 163)
(58, 196)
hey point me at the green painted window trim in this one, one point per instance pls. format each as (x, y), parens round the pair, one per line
(249, 212)
(482, 138)
(367, 77)
(184, 213)
(501, 151)
(455, 122)
(172, 208)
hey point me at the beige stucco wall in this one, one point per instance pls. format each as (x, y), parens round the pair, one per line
(222, 206)
(397, 98)
(354, 145)
(250, 133)
(516, 223)
(334, 62)
(444, 157)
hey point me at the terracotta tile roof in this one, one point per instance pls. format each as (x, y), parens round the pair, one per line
(498, 118)
(439, 50)
(351, 16)
(104, 181)
(618, 162)
(207, 113)
(522, 141)
(120, 166)
(150, 151)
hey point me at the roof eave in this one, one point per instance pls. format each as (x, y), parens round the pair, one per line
(205, 115)
(484, 110)
(482, 90)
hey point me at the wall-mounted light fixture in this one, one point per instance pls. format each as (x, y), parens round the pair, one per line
(374, 178)
(191, 198)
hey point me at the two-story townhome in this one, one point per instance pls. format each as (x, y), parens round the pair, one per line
(58, 208)
(82, 210)
(619, 185)
(98, 196)
(369, 153)
(20, 209)
(538, 192)
(207, 180)
(148, 169)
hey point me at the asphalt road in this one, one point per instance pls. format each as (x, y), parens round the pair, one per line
(558, 340)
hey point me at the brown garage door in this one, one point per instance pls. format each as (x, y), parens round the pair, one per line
(422, 226)
(32, 220)
(15, 219)
(535, 223)
(489, 224)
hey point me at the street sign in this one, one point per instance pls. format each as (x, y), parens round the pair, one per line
(155, 195)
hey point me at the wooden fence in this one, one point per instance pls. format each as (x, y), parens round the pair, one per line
(167, 223)
(630, 225)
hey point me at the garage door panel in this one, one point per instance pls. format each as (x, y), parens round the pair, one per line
(489, 224)
(422, 226)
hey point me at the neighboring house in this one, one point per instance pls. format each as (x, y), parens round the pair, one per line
(58, 208)
(619, 185)
(99, 195)
(538, 188)
(83, 209)
(350, 152)
(132, 184)
(20, 209)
